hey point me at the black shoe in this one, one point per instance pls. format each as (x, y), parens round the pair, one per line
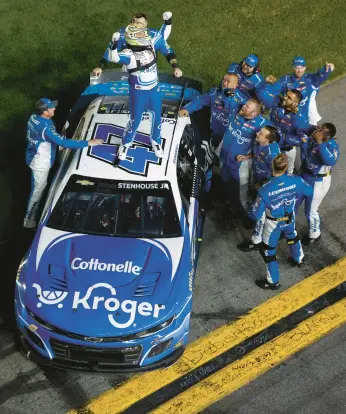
(308, 241)
(264, 284)
(248, 246)
(292, 262)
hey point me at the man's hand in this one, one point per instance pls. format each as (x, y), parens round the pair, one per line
(177, 72)
(270, 79)
(94, 142)
(167, 15)
(183, 112)
(318, 136)
(330, 67)
(241, 158)
(115, 36)
(97, 71)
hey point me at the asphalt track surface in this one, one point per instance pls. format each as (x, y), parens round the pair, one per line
(313, 380)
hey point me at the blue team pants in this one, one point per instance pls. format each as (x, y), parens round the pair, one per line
(139, 102)
(271, 234)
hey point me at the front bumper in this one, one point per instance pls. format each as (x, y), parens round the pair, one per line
(93, 365)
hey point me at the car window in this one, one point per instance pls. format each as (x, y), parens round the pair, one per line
(185, 164)
(114, 208)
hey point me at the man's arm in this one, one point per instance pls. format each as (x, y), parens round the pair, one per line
(124, 58)
(51, 135)
(327, 154)
(105, 58)
(322, 74)
(196, 104)
(257, 209)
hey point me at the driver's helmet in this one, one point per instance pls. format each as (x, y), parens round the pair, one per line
(137, 35)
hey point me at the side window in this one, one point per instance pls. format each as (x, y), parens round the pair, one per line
(185, 164)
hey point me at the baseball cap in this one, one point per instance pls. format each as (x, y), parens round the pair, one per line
(252, 60)
(299, 61)
(44, 103)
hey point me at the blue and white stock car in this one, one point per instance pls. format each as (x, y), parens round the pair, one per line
(107, 283)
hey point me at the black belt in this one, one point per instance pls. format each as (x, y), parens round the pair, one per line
(285, 218)
(286, 148)
(324, 175)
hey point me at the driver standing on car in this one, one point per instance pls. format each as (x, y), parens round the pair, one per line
(42, 142)
(143, 79)
(159, 38)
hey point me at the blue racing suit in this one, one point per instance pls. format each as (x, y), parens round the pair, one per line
(292, 127)
(159, 40)
(42, 142)
(316, 169)
(309, 85)
(262, 157)
(220, 107)
(144, 89)
(248, 84)
(238, 140)
(277, 200)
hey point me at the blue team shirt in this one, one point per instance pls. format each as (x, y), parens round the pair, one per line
(291, 126)
(42, 142)
(318, 158)
(220, 107)
(248, 84)
(278, 197)
(262, 157)
(239, 137)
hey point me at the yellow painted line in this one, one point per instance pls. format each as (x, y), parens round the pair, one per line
(220, 340)
(256, 363)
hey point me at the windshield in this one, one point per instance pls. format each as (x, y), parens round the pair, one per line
(116, 208)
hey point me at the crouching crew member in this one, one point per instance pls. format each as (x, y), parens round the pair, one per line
(277, 200)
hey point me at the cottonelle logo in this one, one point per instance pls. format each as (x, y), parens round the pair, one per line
(95, 264)
(91, 302)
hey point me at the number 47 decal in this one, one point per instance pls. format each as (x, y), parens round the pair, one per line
(139, 156)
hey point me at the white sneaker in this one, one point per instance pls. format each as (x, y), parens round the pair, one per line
(157, 149)
(122, 151)
(29, 224)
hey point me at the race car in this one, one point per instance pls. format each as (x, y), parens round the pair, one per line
(107, 283)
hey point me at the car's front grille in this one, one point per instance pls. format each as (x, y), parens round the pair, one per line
(95, 358)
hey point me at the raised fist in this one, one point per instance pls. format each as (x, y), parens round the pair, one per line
(115, 36)
(330, 67)
(167, 15)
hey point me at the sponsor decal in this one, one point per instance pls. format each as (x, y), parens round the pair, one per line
(94, 264)
(280, 190)
(91, 302)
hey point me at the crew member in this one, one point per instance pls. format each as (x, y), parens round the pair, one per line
(308, 84)
(42, 142)
(319, 153)
(291, 124)
(221, 101)
(249, 74)
(235, 152)
(277, 200)
(264, 151)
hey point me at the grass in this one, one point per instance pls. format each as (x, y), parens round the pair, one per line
(48, 49)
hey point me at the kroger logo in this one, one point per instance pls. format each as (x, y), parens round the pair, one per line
(94, 264)
(92, 302)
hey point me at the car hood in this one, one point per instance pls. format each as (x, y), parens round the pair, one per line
(101, 286)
